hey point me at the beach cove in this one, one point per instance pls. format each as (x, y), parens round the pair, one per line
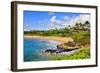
(54, 38)
(35, 48)
(34, 45)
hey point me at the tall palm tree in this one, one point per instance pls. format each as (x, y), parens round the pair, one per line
(87, 25)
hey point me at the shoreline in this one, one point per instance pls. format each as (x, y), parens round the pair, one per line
(54, 38)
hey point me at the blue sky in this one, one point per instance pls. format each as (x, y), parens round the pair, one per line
(39, 20)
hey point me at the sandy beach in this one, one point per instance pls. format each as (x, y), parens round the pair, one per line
(55, 38)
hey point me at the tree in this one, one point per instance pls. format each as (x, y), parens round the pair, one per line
(69, 26)
(87, 25)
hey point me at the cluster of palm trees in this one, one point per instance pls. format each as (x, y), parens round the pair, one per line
(79, 26)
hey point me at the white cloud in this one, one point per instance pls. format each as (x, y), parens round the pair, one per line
(66, 21)
(84, 18)
(78, 19)
(66, 18)
(51, 13)
(53, 19)
(27, 27)
(57, 23)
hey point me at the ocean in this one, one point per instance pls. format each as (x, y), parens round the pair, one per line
(33, 47)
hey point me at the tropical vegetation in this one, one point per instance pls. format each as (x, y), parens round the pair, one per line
(80, 33)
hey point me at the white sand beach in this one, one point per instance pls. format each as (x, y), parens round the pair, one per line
(55, 38)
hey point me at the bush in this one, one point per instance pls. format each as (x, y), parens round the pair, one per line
(83, 54)
(82, 37)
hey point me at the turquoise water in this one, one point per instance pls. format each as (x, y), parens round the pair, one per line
(33, 48)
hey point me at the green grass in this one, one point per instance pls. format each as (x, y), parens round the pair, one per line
(83, 54)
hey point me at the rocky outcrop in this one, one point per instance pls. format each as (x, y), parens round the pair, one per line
(71, 45)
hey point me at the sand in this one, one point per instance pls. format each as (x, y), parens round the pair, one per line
(55, 38)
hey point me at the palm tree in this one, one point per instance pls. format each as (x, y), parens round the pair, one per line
(69, 26)
(76, 26)
(87, 25)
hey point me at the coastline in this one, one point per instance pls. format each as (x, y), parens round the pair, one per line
(54, 38)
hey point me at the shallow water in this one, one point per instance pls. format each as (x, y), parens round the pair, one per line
(33, 47)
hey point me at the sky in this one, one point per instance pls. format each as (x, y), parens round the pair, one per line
(40, 20)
